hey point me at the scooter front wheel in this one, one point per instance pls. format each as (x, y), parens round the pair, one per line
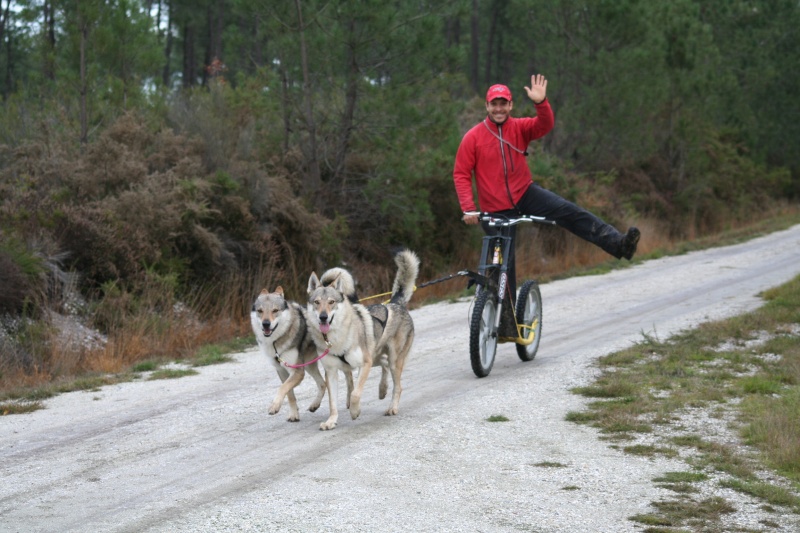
(529, 317)
(482, 333)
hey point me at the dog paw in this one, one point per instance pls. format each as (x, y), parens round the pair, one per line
(293, 418)
(313, 407)
(274, 409)
(382, 391)
(355, 408)
(391, 411)
(325, 426)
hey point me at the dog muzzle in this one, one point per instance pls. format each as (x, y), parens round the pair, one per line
(325, 324)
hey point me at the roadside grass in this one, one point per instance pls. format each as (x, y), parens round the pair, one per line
(703, 515)
(27, 399)
(19, 408)
(146, 366)
(743, 373)
(172, 373)
(214, 354)
(680, 482)
(550, 464)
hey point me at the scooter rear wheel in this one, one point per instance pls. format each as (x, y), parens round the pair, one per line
(529, 316)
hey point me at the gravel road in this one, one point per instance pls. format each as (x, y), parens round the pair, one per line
(201, 454)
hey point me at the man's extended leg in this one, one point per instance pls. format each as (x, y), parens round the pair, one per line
(541, 202)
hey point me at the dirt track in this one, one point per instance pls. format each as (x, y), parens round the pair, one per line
(201, 454)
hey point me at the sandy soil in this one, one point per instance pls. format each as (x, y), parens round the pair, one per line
(201, 454)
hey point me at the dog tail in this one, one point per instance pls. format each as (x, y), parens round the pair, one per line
(346, 283)
(407, 272)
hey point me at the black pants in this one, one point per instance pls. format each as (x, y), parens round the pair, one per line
(542, 203)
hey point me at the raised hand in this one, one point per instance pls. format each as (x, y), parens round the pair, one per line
(538, 89)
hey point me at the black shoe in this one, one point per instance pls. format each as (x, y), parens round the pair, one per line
(629, 242)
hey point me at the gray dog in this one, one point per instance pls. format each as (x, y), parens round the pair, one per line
(281, 331)
(355, 337)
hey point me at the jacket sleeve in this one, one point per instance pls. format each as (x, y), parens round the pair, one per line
(462, 173)
(543, 122)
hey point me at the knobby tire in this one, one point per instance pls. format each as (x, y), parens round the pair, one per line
(482, 334)
(529, 311)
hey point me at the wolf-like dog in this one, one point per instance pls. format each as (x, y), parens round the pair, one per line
(357, 337)
(281, 330)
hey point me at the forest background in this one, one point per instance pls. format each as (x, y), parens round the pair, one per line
(162, 161)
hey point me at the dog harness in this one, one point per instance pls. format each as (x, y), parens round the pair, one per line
(384, 315)
(301, 365)
(342, 359)
(340, 356)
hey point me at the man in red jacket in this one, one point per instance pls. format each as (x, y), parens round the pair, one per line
(494, 152)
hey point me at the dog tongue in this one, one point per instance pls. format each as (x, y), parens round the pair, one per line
(325, 328)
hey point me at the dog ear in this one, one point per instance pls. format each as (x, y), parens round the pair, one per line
(264, 291)
(279, 291)
(313, 283)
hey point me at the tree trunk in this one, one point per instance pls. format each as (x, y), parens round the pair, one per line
(218, 29)
(488, 79)
(313, 175)
(453, 35)
(351, 95)
(188, 56)
(84, 29)
(258, 51)
(9, 53)
(208, 55)
(212, 59)
(286, 99)
(167, 72)
(9, 60)
(50, 41)
(4, 18)
(474, 48)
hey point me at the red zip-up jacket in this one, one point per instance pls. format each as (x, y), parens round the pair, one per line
(483, 153)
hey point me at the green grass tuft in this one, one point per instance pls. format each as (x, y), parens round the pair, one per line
(145, 366)
(172, 373)
(768, 492)
(550, 464)
(681, 477)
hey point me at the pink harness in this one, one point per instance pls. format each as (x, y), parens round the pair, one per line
(301, 365)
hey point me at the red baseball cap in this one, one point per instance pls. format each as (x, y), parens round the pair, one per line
(498, 91)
